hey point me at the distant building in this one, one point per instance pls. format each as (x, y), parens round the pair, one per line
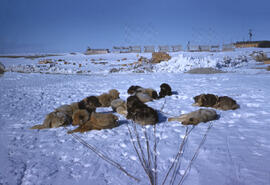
(254, 44)
(91, 51)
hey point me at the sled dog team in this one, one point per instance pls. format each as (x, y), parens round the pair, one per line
(83, 113)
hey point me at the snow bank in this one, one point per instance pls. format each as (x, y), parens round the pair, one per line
(183, 63)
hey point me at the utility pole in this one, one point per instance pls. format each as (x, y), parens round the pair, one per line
(250, 34)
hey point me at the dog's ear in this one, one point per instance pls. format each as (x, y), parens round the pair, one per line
(97, 103)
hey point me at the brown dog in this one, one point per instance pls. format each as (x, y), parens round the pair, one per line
(98, 121)
(211, 100)
(196, 117)
(205, 100)
(80, 117)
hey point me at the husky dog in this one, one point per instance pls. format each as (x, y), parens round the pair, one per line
(196, 117)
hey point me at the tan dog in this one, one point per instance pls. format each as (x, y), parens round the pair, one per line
(98, 121)
(196, 117)
(106, 98)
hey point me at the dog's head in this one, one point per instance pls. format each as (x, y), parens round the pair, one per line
(114, 94)
(165, 87)
(90, 103)
(80, 117)
(93, 101)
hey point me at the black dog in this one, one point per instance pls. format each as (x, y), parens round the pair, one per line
(165, 90)
(140, 112)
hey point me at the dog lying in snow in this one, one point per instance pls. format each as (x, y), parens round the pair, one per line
(106, 98)
(196, 117)
(144, 94)
(119, 106)
(97, 121)
(63, 115)
(211, 100)
(56, 118)
(140, 112)
(165, 90)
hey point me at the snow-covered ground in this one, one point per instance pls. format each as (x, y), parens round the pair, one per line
(240, 61)
(236, 150)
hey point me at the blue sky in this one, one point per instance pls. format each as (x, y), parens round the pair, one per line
(72, 25)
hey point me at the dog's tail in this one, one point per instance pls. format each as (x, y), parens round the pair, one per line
(39, 127)
(173, 119)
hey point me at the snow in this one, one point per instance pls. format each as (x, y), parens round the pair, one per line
(236, 150)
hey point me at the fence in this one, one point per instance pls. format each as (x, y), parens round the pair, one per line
(204, 48)
(135, 49)
(215, 48)
(149, 49)
(193, 48)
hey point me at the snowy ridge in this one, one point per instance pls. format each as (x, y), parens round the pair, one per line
(239, 61)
